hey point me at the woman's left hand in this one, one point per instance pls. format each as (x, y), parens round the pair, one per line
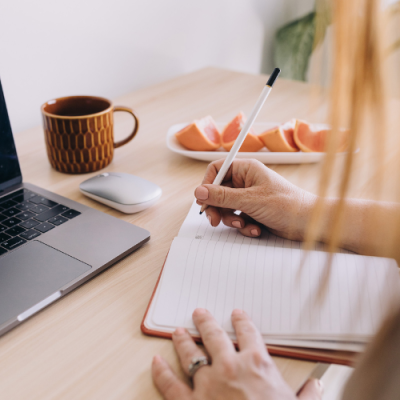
(249, 373)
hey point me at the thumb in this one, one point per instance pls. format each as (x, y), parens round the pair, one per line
(312, 390)
(222, 196)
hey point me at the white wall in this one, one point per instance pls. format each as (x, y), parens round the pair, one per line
(52, 48)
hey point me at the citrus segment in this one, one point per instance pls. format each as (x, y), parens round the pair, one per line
(310, 140)
(288, 131)
(201, 135)
(251, 144)
(280, 138)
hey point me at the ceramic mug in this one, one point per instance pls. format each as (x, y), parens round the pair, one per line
(79, 133)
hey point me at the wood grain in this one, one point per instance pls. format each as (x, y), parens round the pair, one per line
(88, 345)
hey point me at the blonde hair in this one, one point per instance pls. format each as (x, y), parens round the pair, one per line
(357, 101)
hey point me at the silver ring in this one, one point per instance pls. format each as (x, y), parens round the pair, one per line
(196, 364)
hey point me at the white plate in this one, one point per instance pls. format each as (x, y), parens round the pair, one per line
(264, 155)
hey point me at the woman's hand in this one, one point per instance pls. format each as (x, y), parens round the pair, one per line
(260, 194)
(249, 373)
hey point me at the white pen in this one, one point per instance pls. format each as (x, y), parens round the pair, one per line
(245, 130)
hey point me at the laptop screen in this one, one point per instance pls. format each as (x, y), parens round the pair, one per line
(10, 173)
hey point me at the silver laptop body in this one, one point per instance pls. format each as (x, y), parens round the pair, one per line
(49, 244)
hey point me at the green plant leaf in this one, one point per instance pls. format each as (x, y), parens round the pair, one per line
(294, 44)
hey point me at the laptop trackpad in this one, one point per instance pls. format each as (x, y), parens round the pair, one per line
(30, 274)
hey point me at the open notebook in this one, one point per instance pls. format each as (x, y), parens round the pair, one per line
(295, 301)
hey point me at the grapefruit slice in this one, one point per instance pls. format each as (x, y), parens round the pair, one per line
(280, 138)
(201, 135)
(310, 140)
(251, 144)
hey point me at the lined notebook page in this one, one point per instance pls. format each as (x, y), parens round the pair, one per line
(196, 226)
(282, 296)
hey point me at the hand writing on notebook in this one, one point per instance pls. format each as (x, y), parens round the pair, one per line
(266, 198)
(263, 197)
(249, 373)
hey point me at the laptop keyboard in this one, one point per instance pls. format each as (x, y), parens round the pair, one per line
(25, 215)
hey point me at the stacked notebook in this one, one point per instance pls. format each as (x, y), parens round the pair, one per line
(303, 306)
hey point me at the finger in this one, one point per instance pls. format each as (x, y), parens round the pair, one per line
(215, 339)
(227, 184)
(212, 171)
(312, 390)
(247, 335)
(224, 196)
(229, 218)
(214, 216)
(186, 348)
(168, 384)
(246, 225)
(251, 230)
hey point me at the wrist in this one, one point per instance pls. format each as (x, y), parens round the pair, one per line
(304, 213)
(325, 220)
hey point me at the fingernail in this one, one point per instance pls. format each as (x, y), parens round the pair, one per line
(209, 218)
(200, 311)
(201, 193)
(237, 311)
(320, 385)
(179, 331)
(236, 224)
(254, 232)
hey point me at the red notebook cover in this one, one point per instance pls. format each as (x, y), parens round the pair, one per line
(327, 356)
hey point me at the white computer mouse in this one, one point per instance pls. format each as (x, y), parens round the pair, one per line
(124, 192)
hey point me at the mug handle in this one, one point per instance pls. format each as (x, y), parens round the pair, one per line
(132, 135)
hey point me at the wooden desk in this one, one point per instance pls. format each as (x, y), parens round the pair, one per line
(89, 344)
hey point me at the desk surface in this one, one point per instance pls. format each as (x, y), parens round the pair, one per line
(89, 345)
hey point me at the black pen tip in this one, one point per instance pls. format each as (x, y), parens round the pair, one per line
(201, 212)
(273, 77)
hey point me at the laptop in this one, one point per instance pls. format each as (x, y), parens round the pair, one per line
(49, 244)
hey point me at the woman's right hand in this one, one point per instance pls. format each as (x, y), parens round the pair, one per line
(262, 196)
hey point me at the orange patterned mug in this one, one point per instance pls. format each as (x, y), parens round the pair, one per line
(79, 133)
